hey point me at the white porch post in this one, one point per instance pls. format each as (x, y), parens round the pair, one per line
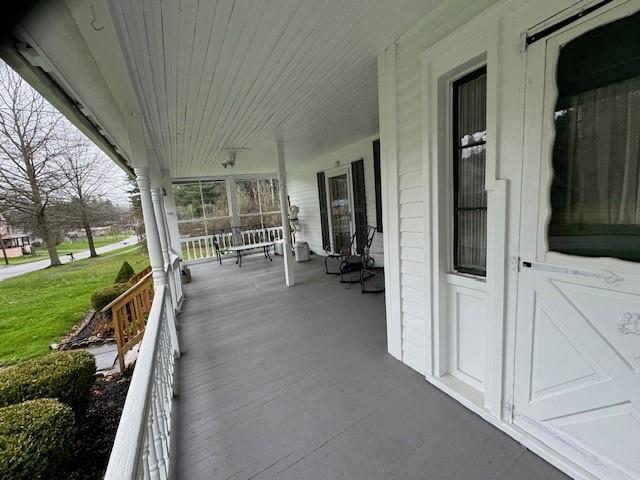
(232, 201)
(158, 208)
(156, 198)
(171, 215)
(289, 276)
(155, 247)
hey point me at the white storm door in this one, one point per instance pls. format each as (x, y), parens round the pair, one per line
(577, 372)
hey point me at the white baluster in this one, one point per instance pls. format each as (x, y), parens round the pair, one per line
(145, 459)
(157, 437)
(163, 437)
(154, 472)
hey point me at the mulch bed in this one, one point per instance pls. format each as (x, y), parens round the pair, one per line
(95, 329)
(97, 428)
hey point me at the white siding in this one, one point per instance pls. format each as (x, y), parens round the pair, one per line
(302, 186)
(433, 28)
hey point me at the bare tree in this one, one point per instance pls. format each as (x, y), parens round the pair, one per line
(88, 173)
(32, 142)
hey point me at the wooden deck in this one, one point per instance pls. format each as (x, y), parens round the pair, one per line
(296, 384)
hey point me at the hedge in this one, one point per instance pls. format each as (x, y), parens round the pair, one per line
(125, 273)
(105, 295)
(67, 376)
(36, 439)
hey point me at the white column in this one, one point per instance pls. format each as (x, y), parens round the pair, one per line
(232, 202)
(156, 198)
(150, 226)
(154, 246)
(289, 275)
(158, 208)
(171, 215)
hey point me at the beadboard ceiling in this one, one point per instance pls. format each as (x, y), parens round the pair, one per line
(215, 75)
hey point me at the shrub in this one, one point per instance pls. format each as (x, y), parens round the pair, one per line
(67, 376)
(36, 439)
(105, 295)
(124, 274)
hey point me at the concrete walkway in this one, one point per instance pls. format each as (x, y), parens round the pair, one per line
(106, 356)
(17, 270)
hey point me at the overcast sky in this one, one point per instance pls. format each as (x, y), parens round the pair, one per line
(115, 180)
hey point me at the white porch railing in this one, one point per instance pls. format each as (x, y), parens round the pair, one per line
(198, 248)
(141, 449)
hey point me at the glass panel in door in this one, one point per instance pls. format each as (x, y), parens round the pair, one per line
(340, 211)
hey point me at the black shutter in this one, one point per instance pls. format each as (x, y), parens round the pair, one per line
(324, 219)
(378, 183)
(359, 204)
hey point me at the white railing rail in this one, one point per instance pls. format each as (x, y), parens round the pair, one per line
(141, 449)
(199, 248)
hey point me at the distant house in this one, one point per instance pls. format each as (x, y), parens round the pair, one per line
(15, 242)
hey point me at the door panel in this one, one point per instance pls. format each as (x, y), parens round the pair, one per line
(577, 372)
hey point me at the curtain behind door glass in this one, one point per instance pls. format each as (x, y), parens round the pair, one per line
(595, 193)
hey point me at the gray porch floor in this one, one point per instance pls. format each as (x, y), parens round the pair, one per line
(296, 384)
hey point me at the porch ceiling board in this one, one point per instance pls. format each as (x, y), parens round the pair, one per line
(213, 75)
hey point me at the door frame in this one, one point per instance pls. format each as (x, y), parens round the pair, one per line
(473, 45)
(336, 172)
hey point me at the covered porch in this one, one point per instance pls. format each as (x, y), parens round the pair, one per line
(357, 112)
(296, 383)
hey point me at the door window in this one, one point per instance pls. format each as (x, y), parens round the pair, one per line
(340, 211)
(595, 192)
(469, 153)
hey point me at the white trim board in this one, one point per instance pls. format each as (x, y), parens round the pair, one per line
(387, 105)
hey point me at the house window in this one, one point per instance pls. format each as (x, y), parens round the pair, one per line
(595, 192)
(469, 194)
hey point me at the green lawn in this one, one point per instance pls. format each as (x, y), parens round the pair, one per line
(37, 308)
(81, 245)
(63, 249)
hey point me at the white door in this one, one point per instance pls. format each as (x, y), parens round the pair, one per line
(577, 375)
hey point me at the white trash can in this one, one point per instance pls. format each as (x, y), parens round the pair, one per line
(302, 251)
(278, 248)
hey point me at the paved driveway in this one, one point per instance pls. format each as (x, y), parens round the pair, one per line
(16, 270)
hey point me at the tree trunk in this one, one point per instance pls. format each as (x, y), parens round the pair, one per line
(92, 247)
(4, 252)
(50, 241)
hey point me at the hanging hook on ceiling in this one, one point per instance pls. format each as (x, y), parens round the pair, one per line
(93, 21)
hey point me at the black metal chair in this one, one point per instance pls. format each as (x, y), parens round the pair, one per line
(372, 280)
(351, 266)
(335, 259)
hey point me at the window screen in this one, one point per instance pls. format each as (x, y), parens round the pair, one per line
(470, 197)
(595, 192)
(258, 203)
(202, 207)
